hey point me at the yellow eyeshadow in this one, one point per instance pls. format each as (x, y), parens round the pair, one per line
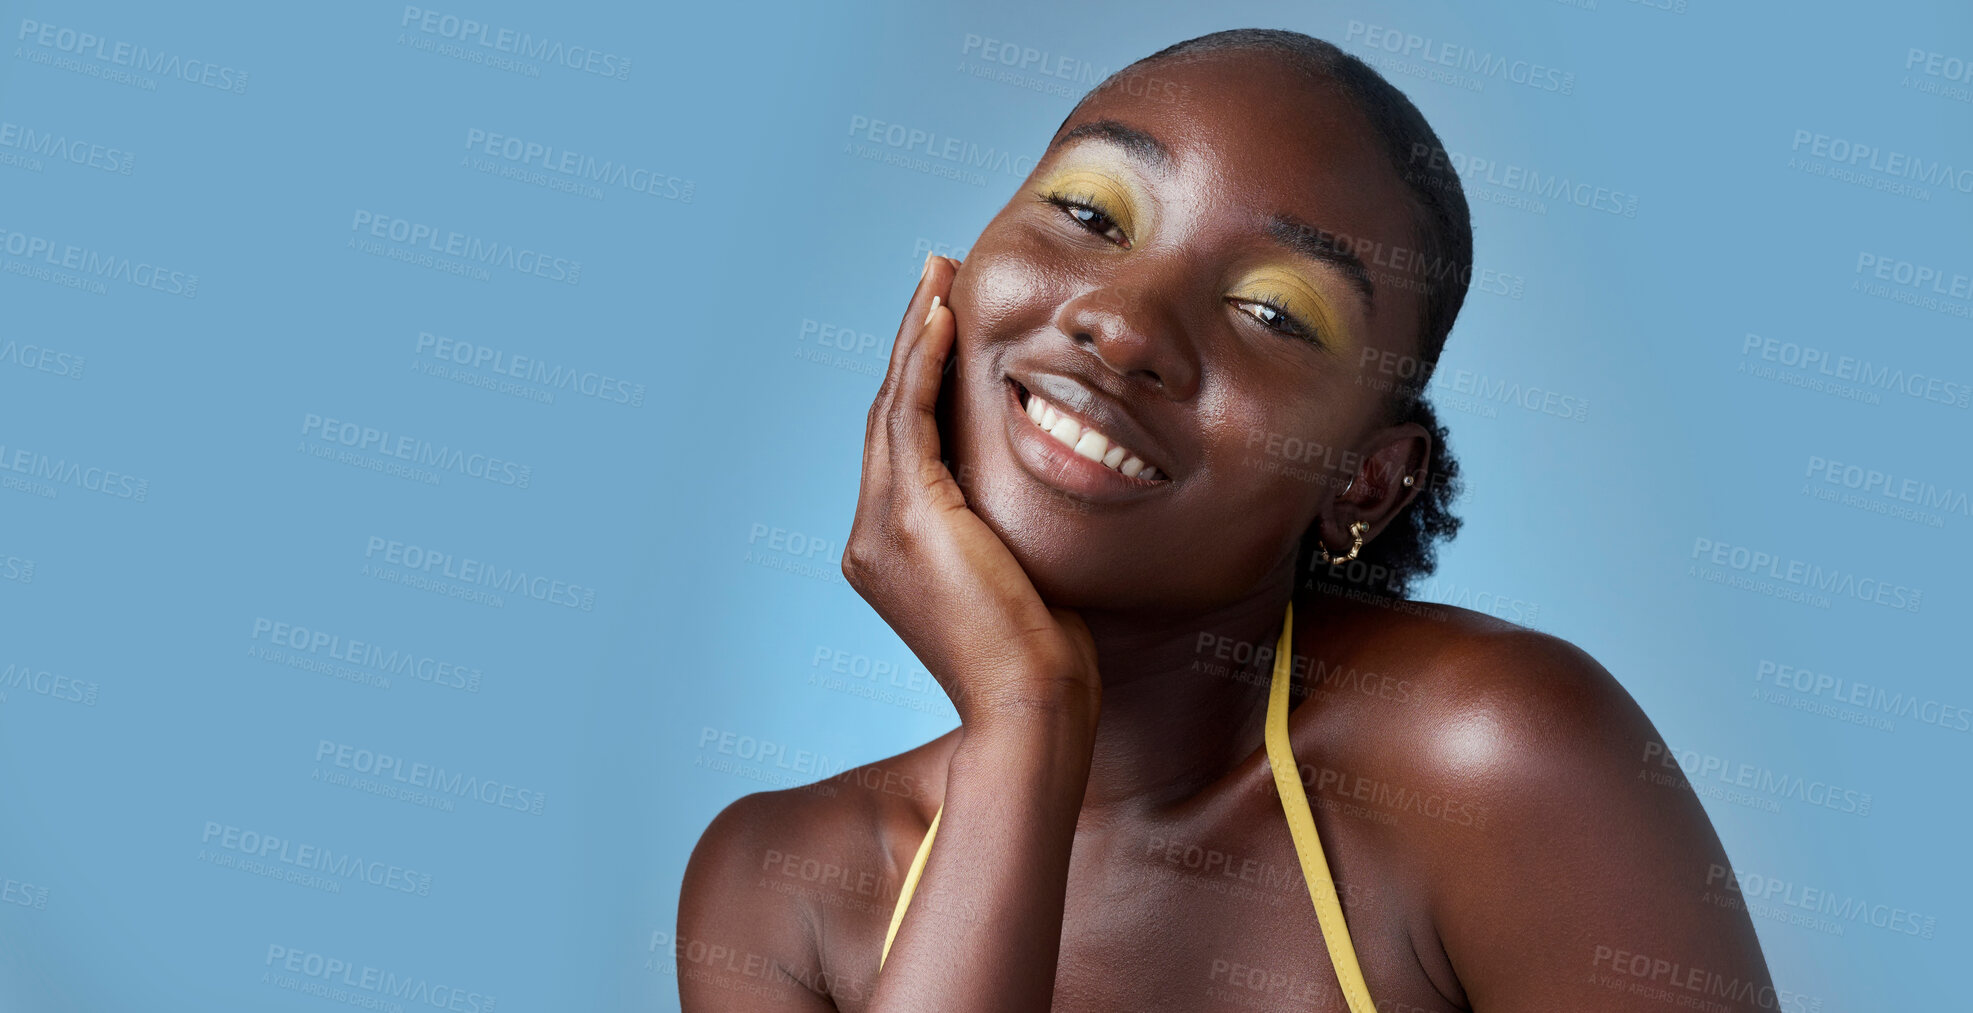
(1298, 298)
(1101, 192)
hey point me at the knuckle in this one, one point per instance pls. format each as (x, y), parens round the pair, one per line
(908, 537)
(863, 553)
(857, 561)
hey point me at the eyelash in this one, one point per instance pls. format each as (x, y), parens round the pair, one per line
(1070, 206)
(1295, 328)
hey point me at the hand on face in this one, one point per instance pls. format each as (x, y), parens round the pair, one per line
(931, 567)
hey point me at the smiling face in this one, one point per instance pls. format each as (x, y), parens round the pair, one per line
(1170, 277)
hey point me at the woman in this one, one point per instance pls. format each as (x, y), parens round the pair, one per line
(1174, 385)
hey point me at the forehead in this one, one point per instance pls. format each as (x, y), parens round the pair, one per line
(1262, 136)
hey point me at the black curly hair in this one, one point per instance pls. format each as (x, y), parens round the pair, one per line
(1440, 269)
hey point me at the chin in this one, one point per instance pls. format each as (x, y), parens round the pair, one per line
(1078, 557)
(1057, 540)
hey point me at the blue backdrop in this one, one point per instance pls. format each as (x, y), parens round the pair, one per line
(428, 436)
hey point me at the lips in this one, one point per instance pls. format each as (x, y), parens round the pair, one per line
(1084, 438)
(1095, 405)
(1076, 454)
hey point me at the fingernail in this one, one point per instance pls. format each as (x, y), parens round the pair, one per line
(927, 269)
(934, 311)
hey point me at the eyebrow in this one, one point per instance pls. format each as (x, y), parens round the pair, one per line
(1308, 240)
(1323, 245)
(1139, 144)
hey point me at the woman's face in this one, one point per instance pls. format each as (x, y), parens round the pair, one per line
(1175, 274)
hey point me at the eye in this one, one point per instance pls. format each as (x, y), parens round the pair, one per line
(1275, 317)
(1090, 217)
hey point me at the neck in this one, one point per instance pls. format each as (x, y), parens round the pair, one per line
(1184, 701)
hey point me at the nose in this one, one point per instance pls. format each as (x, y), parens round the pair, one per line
(1134, 333)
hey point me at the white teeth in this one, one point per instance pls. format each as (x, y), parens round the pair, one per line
(1086, 441)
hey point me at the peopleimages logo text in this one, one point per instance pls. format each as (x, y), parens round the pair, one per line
(410, 448)
(506, 40)
(62, 471)
(1464, 59)
(368, 654)
(98, 263)
(577, 165)
(316, 858)
(1742, 559)
(425, 775)
(335, 977)
(122, 54)
(588, 383)
(1476, 169)
(488, 252)
(467, 570)
(63, 148)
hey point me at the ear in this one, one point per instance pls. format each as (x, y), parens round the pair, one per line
(1376, 492)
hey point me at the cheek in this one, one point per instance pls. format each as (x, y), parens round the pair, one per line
(1002, 292)
(1274, 464)
(1301, 430)
(1257, 513)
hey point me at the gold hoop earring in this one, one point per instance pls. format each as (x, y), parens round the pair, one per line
(1357, 528)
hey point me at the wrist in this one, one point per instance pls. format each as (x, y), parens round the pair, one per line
(1042, 770)
(1049, 731)
(1066, 708)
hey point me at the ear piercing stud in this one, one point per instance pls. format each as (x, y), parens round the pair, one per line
(1408, 482)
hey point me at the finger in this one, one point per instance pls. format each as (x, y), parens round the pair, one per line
(933, 286)
(876, 423)
(937, 272)
(875, 430)
(914, 432)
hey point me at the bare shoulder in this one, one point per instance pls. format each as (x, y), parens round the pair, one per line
(786, 888)
(1498, 704)
(1529, 729)
(1584, 848)
(1539, 691)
